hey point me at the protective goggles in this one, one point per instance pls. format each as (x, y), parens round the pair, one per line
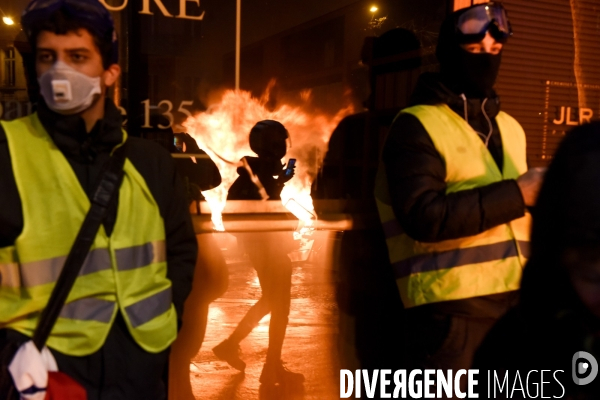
(473, 24)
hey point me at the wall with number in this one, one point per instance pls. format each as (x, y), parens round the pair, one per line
(12, 109)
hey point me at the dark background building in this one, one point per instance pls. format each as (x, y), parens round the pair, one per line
(175, 58)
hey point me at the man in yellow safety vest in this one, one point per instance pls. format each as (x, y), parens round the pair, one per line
(122, 314)
(452, 191)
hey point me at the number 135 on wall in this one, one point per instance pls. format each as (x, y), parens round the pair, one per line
(160, 107)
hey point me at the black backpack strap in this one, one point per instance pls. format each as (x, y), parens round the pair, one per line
(105, 193)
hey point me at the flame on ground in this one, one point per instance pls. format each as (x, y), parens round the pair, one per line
(223, 131)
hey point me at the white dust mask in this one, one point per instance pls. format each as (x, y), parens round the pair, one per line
(67, 91)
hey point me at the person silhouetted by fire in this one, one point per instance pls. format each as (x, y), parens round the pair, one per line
(260, 178)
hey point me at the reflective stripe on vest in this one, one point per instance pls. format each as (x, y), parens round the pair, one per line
(140, 256)
(9, 275)
(458, 258)
(124, 273)
(89, 309)
(47, 271)
(149, 308)
(488, 263)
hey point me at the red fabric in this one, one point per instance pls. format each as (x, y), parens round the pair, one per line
(63, 387)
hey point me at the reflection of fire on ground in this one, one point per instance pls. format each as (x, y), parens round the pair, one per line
(222, 131)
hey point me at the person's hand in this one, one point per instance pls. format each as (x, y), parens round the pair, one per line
(283, 178)
(530, 183)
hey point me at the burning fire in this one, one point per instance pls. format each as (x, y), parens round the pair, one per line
(223, 130)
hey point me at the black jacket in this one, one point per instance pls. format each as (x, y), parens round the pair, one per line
(87, 154)
(244, 189)
(552, 321)
(416, 178)
(202, 173)
(525, 342)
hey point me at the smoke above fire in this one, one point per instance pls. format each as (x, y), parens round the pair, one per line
(223, 132)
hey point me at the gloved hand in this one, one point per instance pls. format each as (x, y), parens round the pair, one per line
(29, 369)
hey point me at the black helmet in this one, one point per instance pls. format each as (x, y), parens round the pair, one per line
(268, 139)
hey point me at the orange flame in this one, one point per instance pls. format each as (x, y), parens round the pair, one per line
(223, 131)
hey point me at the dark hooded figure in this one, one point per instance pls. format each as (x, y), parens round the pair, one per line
(199, 173)
(366, 294)
(267, 252)
(124, 308)
(559, 312)
(452, 193)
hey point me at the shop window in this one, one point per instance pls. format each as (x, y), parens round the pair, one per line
(9, 78)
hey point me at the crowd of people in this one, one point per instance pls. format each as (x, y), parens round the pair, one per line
(456, 198)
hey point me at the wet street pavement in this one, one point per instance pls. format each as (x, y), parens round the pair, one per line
(310, 347)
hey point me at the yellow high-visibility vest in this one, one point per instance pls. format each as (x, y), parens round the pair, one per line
(484, 264)
(124, 272)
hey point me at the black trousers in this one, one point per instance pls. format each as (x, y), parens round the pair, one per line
(120, 370)
(438, 340)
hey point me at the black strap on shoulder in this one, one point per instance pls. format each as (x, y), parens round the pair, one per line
(104, 194)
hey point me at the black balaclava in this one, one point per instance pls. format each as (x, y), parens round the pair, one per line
(462, 71)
